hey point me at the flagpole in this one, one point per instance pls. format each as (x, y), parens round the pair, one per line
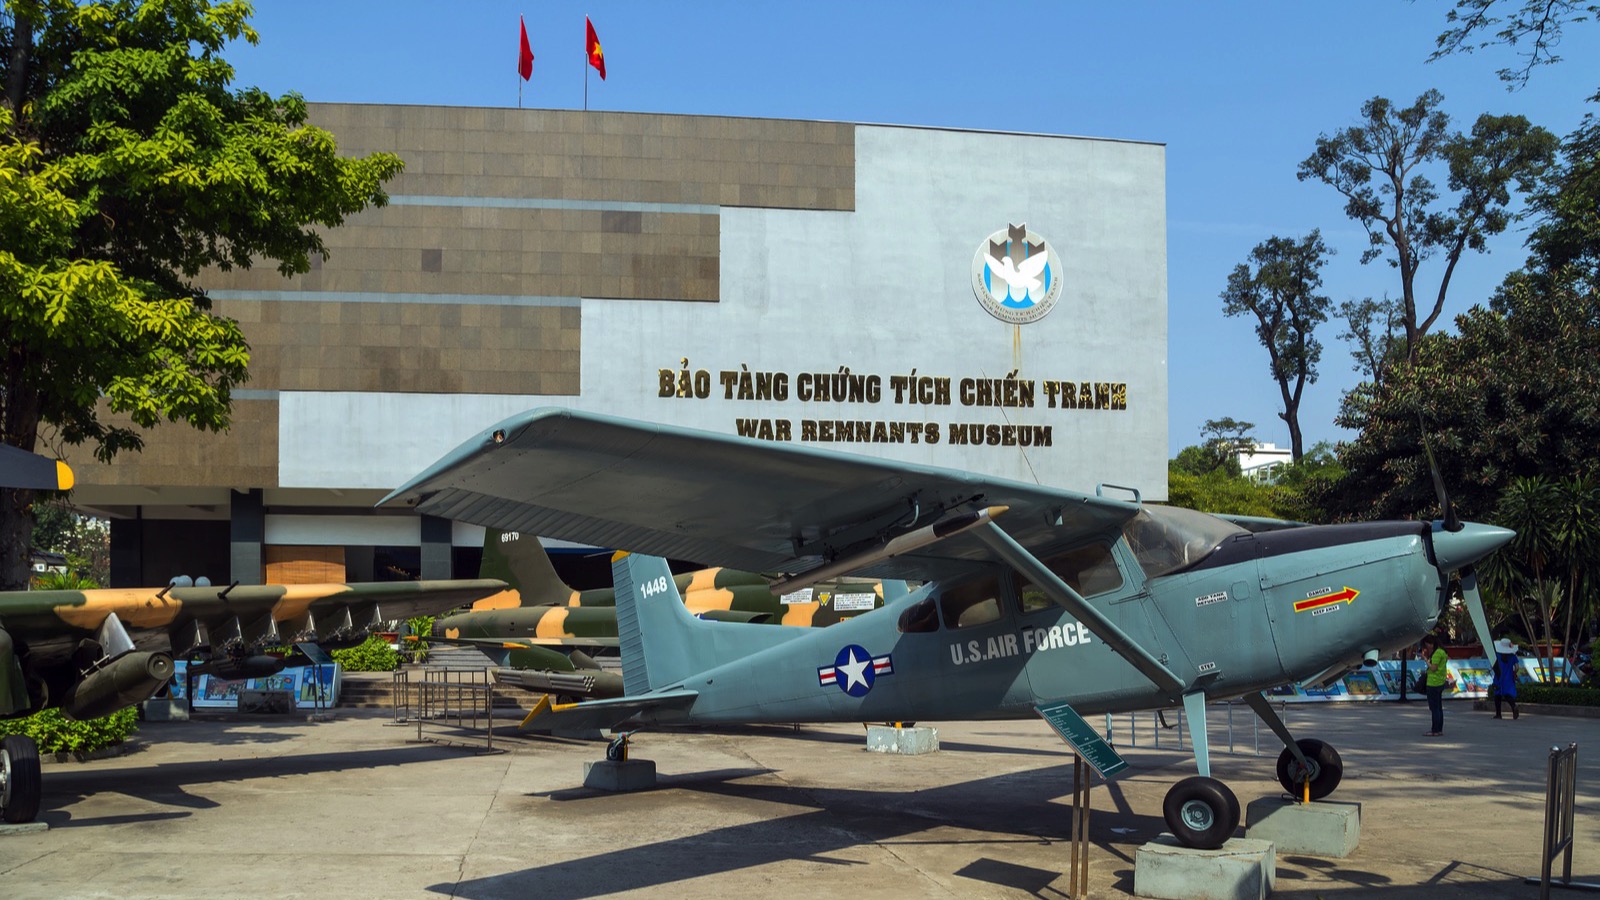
(586, 62)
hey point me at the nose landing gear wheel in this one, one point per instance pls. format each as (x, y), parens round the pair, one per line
(1201, 812)
(1326, 769)
(20, 785)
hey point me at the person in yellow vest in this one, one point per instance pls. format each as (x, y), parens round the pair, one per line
(1438, 678)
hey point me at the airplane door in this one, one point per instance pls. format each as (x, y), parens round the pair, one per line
(977, 653)
(1066, 661)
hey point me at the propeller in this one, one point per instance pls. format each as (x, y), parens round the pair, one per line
(1457, 545)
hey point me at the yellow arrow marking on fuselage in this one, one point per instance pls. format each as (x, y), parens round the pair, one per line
(1346, 594)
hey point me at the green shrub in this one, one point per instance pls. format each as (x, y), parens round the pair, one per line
(371, 655)
(54, 732)
(1559, 694)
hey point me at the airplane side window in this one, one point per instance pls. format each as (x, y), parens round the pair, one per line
(973, 603)
(922, 617)
(1088, 570)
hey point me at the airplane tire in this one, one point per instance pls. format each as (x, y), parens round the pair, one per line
(1201, 812)
(1326, 769)
(20, 784)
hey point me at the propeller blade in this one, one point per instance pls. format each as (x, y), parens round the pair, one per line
(1447, 512)
(1474, 603)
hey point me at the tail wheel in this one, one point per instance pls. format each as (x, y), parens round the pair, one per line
(1326, 769)
(20, 784)
(1201, 812)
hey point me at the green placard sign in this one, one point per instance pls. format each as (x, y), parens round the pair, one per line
(1088, 742)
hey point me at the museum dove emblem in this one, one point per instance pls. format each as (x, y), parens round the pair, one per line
(1016, 275)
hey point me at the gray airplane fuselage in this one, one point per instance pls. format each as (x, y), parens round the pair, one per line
(1257, 612)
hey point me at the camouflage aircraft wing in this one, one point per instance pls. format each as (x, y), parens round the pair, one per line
(51, 622)
(518, 643)
(724, 500)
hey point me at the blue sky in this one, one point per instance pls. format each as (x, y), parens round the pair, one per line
(1237, 91)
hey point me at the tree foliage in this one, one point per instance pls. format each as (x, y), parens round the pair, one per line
(1382, 167)
(1534, 25)
(1278, 286)
(1548, 569)
(1515, 394)
(128, 166)
(1372, 332)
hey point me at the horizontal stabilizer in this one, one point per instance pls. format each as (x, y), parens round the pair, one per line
(603, 714)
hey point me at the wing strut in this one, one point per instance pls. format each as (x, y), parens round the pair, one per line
(1103, 628)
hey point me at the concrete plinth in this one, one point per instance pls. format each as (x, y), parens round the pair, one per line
(6, 828)
(1241, 869)
(166, 711)
(626, 775)
(906, 741)
(1322, 828)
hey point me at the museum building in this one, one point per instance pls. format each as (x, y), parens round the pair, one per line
(978, 300)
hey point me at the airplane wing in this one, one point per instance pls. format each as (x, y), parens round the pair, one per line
(722, 500)
(519, 643)
(51, 622)
(30, 471)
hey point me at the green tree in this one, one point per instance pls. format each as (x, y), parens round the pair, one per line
(1566, 242)
(1372, 334)
(1515, 394)
(128, 167)
(1281, 293)
(1549, 565)
(1534, 25)
(84, 541)
(1221, 442)
(1381, 166)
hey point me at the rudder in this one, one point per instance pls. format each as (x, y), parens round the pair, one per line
(520, 561)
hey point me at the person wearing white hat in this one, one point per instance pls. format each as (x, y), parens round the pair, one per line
(1505, 676)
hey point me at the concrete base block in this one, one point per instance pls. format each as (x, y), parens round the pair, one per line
(1323, 828)
(1241, 869)
(166, 711)
(907, 741)
(6, 828)
(627, 775)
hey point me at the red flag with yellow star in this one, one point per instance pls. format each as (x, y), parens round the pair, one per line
(597, 57)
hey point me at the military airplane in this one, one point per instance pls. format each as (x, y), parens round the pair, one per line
(93, 652)
(1034, 597)
(540, 645)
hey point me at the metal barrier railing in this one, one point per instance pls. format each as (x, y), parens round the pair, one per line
(1560, 794)
(1163, 721)
(458, 698)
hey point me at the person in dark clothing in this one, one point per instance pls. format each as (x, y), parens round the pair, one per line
(1505, 676)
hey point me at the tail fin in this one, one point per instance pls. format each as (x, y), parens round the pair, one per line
(662, 642)
(893, 590)
(520, 561)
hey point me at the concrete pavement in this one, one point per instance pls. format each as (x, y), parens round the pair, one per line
(354, 807)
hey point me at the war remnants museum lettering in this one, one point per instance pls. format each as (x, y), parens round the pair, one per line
(845, 386)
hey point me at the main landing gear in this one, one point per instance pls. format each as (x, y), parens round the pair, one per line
(1203, 813)
(20, 785)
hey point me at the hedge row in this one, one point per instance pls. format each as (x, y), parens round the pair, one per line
(54, 732)
(1559, 694)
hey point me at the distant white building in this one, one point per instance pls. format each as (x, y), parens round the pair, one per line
(1262, 464)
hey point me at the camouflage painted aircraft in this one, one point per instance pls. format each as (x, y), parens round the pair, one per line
(1036, 600)
(91, 653)
(524, 631)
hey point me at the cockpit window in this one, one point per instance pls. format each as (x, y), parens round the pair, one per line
(1167, 538)
(921, 617)
(975, 602)
(1089, 570)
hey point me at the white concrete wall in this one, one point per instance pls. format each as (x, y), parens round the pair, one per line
(884, 290)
